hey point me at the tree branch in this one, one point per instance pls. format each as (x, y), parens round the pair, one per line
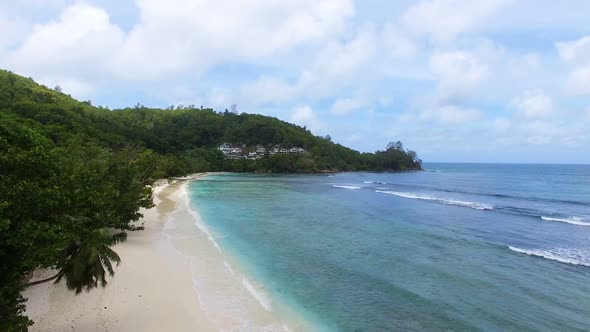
(43, 280)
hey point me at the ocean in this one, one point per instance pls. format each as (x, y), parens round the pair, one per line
(457, 247)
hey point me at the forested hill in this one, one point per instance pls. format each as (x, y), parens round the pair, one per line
(185, 138)
(73, 177)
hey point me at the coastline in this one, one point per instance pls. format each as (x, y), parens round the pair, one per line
(173, 276)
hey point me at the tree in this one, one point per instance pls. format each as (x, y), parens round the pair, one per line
(399, 146)
(57, 88)
(88, 261)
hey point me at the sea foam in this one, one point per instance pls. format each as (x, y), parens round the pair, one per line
(562, 255)
(259, 296)
(346, 187)
(473, 205)
(571, 220)
(374, 182)
(198, 220)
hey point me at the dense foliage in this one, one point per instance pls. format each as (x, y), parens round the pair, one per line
(72, 175)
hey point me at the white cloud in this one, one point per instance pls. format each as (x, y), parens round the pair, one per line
(305, 116)
(442, 20)
(346, 106)
(273, 89)
(577, 54)
(534, 105)
(540, 132)
(44, 3)
(501, 125)
(81, 89)
(538, 127)
(575, 51)
(173, 37)
(398, 43)
(532, 60)
(69, 51)
(302, 114)
(339, 59)
(80, 39)
(195, 35)
(219, 98)
(334, 65)
(459, 72)
(451, 114)
(13, 30)
(354, 138)
(579, 81)
(539, 140)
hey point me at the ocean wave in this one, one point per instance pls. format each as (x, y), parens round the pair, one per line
(528, 212)
(198, 220)
(487, 194)
(473, 205)
(228, 267)
(571, 220)
(562, 255)
(346, 187)
(375, 182)
(259, 296)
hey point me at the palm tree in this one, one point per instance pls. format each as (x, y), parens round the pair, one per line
(88, 261)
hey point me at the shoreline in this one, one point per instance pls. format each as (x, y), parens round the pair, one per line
(239, 285)
(173, 276)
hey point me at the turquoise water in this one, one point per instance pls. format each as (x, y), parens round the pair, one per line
(459, 247)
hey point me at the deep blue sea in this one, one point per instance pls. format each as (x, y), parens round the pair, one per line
(459, 247)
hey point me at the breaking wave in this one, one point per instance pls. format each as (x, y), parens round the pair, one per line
(346, 187)
(473, 205)
(562, 255)
(571, 220)
(259, 296)
(485, 194)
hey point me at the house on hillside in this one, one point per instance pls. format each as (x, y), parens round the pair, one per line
(237, 151)
(297, 150)
(260, 149)
(225, 148)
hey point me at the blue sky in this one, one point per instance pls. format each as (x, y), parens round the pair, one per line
(455, 80)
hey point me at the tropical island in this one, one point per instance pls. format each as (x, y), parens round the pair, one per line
(73, 177)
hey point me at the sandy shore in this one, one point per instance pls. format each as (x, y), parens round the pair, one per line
(173, 277)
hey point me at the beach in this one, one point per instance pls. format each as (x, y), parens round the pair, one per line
(173, 277)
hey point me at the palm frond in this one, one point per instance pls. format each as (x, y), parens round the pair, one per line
(88, 262)
(107, 263)
(78, 264)
(119, 237)
(112, 255)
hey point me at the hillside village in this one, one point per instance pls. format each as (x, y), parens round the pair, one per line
(242, 151)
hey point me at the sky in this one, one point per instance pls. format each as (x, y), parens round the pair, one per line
(455, 80)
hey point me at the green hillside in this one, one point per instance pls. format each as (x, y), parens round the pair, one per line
(186, 138)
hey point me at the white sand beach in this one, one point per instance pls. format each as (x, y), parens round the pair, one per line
(173, 277)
